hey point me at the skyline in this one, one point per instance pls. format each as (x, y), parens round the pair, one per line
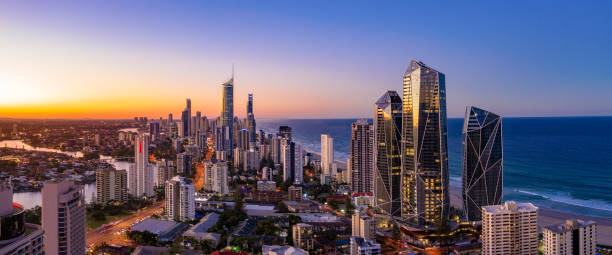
(69, 60)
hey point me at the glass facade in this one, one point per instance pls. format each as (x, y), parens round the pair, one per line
(12, 225)
(387, 131)
(227, 108)
(425, 199)
(482, 177)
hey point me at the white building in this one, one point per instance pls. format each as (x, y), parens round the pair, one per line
(215, 176)
(180, 200)
(281, 250)
(360, 246)
(364, 226)
(63, 218)
(327, 155)
(140, 176)
(511, 228)
(572, 237)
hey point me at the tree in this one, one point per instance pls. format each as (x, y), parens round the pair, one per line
(348, 205)
(238, 201)
(33, 215)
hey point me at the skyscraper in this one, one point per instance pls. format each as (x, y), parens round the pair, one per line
(251, 126)
(425, 200)
(511, 228)
(361, 162)
(482, 178)
(387, 161)
(63, 218)
(140, 178)
(190, 123)
(111, 186)
(180, 201)
(185, 120)
(327, 155)
(227, 108)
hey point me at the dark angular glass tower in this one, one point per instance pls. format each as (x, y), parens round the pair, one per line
(482, 178)
(387, 132)
(425, 200)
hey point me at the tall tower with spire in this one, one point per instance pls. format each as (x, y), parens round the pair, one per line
(227, 108)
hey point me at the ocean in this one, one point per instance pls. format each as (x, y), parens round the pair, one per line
(559, 163)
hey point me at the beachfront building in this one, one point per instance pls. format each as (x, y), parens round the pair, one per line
(482, 178)
(180, 201)
(293, 166)
(63, 218)
(303, 236)
(425, 194)
(510, 228)
(360, 246)
(361, 161)
(387, 160)
(17, 237)
(574, 237)
(111, 186)
(327, 155)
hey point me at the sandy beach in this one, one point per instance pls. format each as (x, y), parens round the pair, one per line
(548, 217)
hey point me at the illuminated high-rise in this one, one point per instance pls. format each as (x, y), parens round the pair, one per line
(227, 109)
(387, 160)
(251, 126)
(361, 161)
(425, 199)
(482, 178)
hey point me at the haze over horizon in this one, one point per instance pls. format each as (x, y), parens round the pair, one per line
(313, 59)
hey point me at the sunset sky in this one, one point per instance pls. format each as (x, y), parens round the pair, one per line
(301, 59)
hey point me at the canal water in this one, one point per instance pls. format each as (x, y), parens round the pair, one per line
(32, 199)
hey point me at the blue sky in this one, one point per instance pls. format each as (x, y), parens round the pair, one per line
(309, 59)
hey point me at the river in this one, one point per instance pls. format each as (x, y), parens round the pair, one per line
(32, 199)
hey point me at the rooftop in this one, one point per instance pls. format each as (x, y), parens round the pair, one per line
(154, 226)
(509, 207)
(569, 225)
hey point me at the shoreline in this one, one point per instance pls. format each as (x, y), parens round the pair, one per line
(547, 217)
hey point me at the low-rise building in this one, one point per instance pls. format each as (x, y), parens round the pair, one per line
(360, 246)
(303, 236)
